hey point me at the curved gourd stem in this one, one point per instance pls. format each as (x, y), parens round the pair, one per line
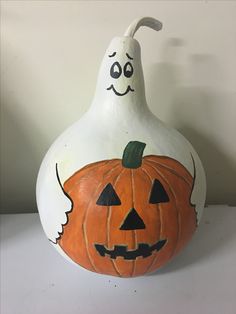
(144, 21)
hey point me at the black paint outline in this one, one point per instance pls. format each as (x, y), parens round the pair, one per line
(120, 94)
(113, 73)
(60, 233)
(143, 250)
(129, 56)
(128, 74)
(194, 179)
(112, 55)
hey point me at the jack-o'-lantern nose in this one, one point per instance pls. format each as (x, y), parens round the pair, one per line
(132, 221)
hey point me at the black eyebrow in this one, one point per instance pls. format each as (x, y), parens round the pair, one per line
(129, 56)
(112, 55)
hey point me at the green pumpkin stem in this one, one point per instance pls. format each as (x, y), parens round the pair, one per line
(133, 155)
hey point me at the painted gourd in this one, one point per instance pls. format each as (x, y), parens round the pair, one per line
(120, 193)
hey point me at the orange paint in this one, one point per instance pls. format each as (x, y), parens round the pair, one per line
(89, 223)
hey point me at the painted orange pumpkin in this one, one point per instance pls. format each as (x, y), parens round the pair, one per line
(129, 216)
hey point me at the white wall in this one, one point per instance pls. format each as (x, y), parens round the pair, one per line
(50, 55)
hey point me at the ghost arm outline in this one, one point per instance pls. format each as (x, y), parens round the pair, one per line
(60, 233)
(198, 193)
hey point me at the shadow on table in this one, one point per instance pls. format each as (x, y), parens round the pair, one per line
(215, 230)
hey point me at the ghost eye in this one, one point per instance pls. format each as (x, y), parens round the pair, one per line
(108, 197)
(128, 69)
(158, 193)
(115, 70)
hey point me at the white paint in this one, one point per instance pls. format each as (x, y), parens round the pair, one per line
(144, 21)
(104, 131)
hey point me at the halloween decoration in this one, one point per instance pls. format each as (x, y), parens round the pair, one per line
(120, 193)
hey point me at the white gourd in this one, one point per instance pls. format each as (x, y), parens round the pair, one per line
(118, 114)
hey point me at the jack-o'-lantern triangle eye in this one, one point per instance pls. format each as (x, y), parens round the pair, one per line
(108, 197)
(158, 193)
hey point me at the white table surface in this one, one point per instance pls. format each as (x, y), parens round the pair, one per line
(201, 279)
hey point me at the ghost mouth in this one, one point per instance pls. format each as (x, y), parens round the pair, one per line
(120, 94)
(143, 250)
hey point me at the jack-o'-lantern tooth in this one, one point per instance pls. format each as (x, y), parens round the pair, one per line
(160, 244)
(100, 248)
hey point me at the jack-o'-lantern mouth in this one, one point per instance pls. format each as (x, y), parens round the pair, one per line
(143, 250)
(120, 94)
